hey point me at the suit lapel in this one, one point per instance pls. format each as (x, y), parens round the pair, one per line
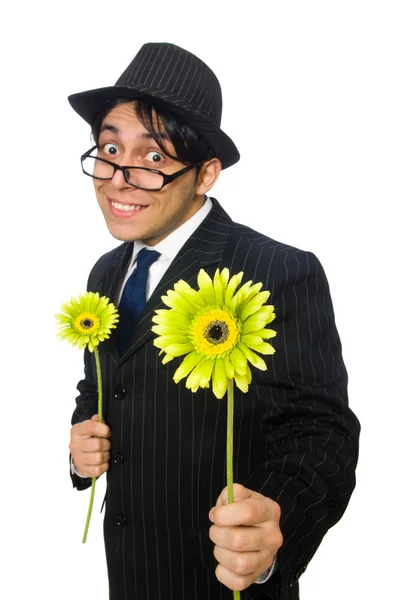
(109, 285)
(203, 250)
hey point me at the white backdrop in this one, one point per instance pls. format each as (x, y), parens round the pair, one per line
(310, 100)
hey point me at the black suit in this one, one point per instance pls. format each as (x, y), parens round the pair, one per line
(295, 437)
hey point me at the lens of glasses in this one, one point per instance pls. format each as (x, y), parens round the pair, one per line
(94, 167)
(97, 168)
(144, 179)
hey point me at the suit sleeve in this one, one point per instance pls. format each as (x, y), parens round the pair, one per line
(86, 407)
(310, 434)
(87, 400)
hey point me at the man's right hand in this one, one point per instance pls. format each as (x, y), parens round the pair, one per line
(90, 447)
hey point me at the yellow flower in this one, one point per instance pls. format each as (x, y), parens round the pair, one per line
(218, 327)
(87, 321)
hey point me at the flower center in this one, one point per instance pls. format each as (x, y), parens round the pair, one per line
(86, 323)
(217, 332)
(214, 332)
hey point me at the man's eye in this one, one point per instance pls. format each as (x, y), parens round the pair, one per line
(155, 157)
(110, 149)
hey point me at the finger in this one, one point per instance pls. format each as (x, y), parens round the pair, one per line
(96, 458)
(91, 428)
(80, 445)
(243, 563)
(96, 418)
(252, 511)
(92, 471)
(239, 493)
(94, 445)
(233, 581)
(239, 539)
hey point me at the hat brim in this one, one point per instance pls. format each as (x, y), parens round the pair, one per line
(89, 104)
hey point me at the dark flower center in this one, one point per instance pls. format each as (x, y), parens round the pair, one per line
(217, 332)
(87, 323)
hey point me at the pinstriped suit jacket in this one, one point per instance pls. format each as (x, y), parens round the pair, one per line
(296, 440)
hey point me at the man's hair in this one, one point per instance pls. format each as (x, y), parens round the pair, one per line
(190, 146)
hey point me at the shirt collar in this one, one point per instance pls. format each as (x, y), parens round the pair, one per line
(170, 246)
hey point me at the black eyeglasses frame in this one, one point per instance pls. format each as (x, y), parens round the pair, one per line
(166, 178)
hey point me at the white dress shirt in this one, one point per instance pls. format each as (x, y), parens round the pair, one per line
(168, 249)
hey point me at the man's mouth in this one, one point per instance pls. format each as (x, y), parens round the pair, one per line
(126, 208)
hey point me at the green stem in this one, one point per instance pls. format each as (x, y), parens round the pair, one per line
(99, 379)
(229, 451)
(229, 441)
(88, 519)
(100, 419)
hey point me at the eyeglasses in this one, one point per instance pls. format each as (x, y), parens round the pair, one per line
(142, 178)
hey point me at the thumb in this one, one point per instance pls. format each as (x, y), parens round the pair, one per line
(239, 493)
(96, 418)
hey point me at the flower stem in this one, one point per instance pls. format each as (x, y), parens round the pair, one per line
(100, 419)
(99, 380)
(229, 441)
(229, 451)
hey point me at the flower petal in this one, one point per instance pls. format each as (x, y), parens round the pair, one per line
(263, 348)
(253, 358)
(241, 382)
(178, 349)
(266, 334)
(247, 295)
(201, 375)
(229, 369)
(167, 330)
(224, 278)
(206, 288)
(231, 287)
(177, 301)
(254, 304)
(259, 319)
(207, 368)
(188, 363)
(251, 339)
(164, 341)
(219, 379)
(189, 293)
(218, 288)
(238, 360)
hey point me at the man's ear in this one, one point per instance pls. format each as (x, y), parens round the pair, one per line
(207, 176)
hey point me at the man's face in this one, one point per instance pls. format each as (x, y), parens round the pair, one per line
(134, 214)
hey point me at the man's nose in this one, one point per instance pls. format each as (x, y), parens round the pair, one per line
(118, 180)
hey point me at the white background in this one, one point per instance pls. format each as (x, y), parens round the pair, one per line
(310, 100)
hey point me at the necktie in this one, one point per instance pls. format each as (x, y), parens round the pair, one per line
(133, 298)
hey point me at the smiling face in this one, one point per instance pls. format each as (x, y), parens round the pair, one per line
(134, 214)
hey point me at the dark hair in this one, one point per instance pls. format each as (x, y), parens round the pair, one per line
(190, 146)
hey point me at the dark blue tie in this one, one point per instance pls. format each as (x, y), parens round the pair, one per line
(133, 298)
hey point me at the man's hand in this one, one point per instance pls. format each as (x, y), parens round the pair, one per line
(90, 448)
(246, 535)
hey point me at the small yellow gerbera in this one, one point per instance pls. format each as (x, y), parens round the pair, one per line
(219, 328)
(87, 321)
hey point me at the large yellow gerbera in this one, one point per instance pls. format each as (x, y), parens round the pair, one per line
(219, 328)
(87, 321)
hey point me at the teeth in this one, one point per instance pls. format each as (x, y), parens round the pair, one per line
(126, 207)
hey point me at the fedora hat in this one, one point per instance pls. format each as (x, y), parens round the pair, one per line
(172, 79)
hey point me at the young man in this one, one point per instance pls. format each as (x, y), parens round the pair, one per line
(169, 532)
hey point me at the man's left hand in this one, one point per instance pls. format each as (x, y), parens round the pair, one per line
(246, 535)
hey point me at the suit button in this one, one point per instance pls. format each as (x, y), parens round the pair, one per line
(118, 459)
(119, 393)
(121, 520)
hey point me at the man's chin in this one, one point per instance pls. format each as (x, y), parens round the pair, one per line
(122, 234)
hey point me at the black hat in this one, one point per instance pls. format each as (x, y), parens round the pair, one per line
(173, 79)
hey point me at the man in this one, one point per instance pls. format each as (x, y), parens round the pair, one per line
(169, 532)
